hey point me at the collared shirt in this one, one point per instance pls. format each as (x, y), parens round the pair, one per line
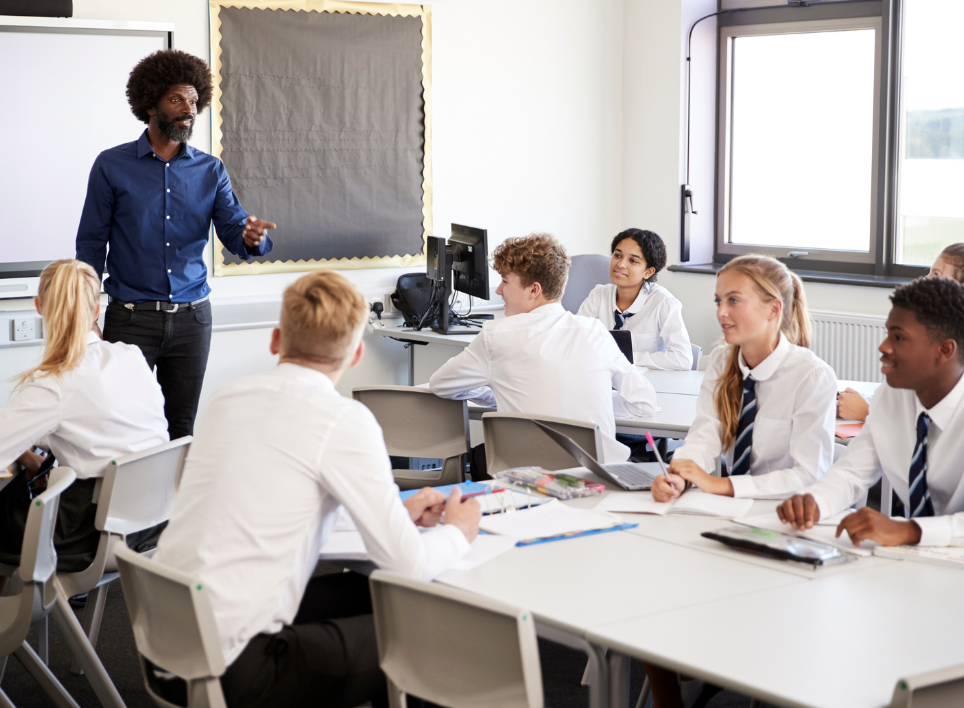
(886, 444)
(793, 432)
(551, 362)
(660, 339)
(252, 514)
(156, 215)
(109, 405)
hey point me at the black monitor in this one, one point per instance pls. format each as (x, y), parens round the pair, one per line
(470, 261)
(434, 256)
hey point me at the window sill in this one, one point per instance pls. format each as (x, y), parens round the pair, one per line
(809, 276)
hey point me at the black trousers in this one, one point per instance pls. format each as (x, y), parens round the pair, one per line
(178, 344)
(328, 657)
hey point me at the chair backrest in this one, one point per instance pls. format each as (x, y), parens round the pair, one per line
(933, 689)
(513, 440)
(586, 272)
(455, 648)
(171, 616)
(137, 491)
(416, 422)
(697, 353)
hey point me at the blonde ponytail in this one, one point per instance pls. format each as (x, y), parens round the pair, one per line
(774, 281)
(954, 255)
(69, 293)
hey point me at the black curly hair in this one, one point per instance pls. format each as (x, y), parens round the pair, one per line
(652, 246)
(157, 72)
(938, 304)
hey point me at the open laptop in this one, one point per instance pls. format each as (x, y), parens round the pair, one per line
(631, 476)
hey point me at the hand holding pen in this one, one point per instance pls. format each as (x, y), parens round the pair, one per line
(665, 488)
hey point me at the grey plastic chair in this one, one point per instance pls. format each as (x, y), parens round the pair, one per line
(136, 493)
(934, 689)
(513, 440)
(494, 665)
(417, 423)
(174, 628)
(36, 597)
(586, 272)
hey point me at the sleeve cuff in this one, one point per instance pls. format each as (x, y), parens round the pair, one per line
(934, 530)
(744, 485)
(459, 542)
(826, 511)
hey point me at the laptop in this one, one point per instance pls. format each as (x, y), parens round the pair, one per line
(631, 476)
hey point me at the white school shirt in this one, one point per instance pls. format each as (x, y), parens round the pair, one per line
(109, 405)
(660, 339)
(275, 455)
(551, 362)
(793, 432)
(886, 444)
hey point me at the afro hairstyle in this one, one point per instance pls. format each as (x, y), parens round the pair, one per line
(938, 304)
(652, 246)
(157, 72)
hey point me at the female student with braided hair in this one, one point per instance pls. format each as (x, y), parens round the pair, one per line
(88, 400)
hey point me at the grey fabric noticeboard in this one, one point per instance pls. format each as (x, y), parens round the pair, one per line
(323, 130)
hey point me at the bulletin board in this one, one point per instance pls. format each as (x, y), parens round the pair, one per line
(322, 116)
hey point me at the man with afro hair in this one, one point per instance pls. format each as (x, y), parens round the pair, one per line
(914, 433)
(153, 200)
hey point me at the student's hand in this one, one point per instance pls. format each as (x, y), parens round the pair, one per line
(426, 506)
(463, 515)
(852, 406)
(667, 487)
(869, 525)
(255, 230)
(31, 462)
(800, 511)
(691, 472)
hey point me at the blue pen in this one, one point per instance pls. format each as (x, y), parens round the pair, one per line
(575, 534)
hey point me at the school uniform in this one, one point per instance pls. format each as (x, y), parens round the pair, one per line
(888, 444)
(660, 339)
(275, 457)
(792, 434)
(108, 406)
(553, 363)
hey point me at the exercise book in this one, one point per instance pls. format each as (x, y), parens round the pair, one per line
(690, 503)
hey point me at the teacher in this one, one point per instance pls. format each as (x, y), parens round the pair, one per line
(153, 201)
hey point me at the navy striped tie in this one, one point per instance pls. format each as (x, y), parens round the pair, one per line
(619, 319)
(920, 495)
(744, 430)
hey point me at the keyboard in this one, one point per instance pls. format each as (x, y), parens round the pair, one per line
(635, 474)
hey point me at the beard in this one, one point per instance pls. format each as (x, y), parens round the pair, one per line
(174, 131)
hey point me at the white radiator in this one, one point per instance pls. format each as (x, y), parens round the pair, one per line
(849, 343)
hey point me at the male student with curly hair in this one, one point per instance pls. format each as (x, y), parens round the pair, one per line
(154, 200)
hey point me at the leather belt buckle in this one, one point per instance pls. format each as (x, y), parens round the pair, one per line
(172, 309)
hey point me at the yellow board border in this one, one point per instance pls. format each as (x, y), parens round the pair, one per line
(424, 11)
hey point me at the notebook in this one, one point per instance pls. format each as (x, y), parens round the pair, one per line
(548, 520)
(692, 503)
(494, 502)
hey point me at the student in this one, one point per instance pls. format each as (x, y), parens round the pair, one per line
(90, 401)
(275, 457)
(851, 405)
(635, 302)
(915, 433)
(541, 359)
(767, 401)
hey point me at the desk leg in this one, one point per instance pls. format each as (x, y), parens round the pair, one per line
(618, 679)
(411, 364)
(598, 666)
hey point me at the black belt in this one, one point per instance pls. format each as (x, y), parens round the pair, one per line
(158, 305)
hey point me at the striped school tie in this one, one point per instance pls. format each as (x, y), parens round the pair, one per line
(619, 319)
(744, 429)
(920, 495)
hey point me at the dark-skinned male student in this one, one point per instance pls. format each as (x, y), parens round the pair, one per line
(914, 433)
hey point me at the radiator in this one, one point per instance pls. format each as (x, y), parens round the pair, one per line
(849, 343)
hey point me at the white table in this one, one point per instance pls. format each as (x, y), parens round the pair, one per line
(685, 382)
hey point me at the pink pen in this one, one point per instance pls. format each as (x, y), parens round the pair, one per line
(659, 458)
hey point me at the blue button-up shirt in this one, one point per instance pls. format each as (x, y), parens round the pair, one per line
(156, 215)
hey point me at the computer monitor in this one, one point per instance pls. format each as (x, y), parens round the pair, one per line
(470, 261)
(434, 257)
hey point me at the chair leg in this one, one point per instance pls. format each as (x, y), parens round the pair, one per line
(93, 614)
(42, 675)
(80, 647)
(43, 647)
(205, 692)
(643, 694)
(4, 701)
(3, 667)
(585, 676)
(396, 697)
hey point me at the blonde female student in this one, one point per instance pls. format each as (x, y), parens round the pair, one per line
(89, 400)
(634, 301)
(767, 401)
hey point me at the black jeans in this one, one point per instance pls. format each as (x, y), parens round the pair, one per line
(178, 344)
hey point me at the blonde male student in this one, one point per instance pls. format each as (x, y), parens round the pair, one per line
(542, 360)
(635, 302)
(275, 456)
(89, 401)
(915, 433)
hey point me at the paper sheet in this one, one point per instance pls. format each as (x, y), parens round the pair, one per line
(692, 503)
(550, 519)
(484, 548)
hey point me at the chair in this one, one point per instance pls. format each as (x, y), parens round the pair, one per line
(136, 493)
(513, 440)
(417, 423)
(697, 353)
(494, 663)
(36, 597)
(932, 689)
(585, 272)
(174, 628)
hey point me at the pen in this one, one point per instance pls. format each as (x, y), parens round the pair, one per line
(490, 490)
(659, 458)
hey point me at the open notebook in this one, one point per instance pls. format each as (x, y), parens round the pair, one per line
(691, 503)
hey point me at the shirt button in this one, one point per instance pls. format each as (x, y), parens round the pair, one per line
(168, 216)
(167, 164)
(169, 191)
(167, 244)
(168, 270)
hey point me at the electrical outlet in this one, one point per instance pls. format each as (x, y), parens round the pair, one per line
(25, 329)
(390, 308)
